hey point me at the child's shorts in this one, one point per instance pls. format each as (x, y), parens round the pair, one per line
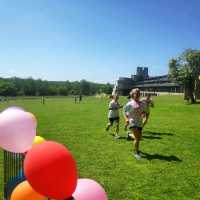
(114, 119)
(135, 128)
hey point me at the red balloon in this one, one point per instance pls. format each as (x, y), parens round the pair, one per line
(51, 170)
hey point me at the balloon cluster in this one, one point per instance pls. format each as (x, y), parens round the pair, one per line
(49, 167)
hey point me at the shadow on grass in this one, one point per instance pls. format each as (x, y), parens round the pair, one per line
(124, 138)
(151, 137)
(189, 103)
(157, 133)
(160, 157)
(145, 137)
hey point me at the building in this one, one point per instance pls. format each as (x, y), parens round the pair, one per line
(152, 84)
(124, 85)
(159, 84)
(141, 73)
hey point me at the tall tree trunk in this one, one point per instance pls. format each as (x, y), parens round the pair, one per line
(191, 90)
(192, 98)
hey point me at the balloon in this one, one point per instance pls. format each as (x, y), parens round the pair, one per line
(38, 140)
(51, 170)
(33, 117)
(88, 189)
(24, 191)
(13, 108)
(18, 129)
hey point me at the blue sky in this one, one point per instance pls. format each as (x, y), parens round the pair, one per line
(97, 40)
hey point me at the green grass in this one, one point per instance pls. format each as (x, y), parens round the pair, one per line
(171, 170)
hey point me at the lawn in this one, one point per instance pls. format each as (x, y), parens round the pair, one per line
(170, 169)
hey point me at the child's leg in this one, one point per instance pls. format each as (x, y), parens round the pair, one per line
(137, 134)
(110, 123)
(117, 127)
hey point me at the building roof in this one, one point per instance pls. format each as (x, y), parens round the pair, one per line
(158, 85)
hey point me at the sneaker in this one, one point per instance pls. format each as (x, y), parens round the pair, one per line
(137, 156)
(117, 137)
(129, 137)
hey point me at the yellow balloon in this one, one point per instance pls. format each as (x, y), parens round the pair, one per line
(24, 191)
(38, 140)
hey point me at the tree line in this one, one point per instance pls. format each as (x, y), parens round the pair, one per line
(31, 87)
(185, 69)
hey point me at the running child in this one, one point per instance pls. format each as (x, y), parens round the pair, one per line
(127, 123)
(133, 116)
(113, 114)
(148, 102)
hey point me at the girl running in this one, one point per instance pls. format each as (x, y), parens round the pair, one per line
(133, 116)
(148, 103)
(113, 114)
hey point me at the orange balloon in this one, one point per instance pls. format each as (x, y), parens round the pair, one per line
(24, 191)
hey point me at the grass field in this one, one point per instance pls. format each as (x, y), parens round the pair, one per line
(171, 168)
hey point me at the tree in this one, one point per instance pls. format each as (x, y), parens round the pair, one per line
(173, 67)
(63, 90)
(186, 69)
(52, 90)
(7, 88)
(76, 87)
(18, 86)
(106, 88)
(42, 87)
(30, 87)
(84, 87)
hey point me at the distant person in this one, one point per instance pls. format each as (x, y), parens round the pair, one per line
(75, 99)
(113, 114)
(43, 100)
(133, 112)
(148, 102)
(80, 98)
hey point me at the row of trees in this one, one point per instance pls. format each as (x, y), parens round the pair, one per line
(186, 70)
(30, 87)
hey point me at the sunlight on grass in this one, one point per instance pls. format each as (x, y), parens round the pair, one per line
(170, 167)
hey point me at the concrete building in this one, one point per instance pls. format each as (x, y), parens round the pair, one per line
(141, 73)
(124, 85)
(152, 84)
(159, 84)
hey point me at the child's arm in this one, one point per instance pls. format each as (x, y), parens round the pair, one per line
(125, 113)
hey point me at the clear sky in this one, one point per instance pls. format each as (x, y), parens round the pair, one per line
(97, 40)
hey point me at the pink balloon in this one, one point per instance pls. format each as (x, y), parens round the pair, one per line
(17, 130)
(88, 189)
(13, 108)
